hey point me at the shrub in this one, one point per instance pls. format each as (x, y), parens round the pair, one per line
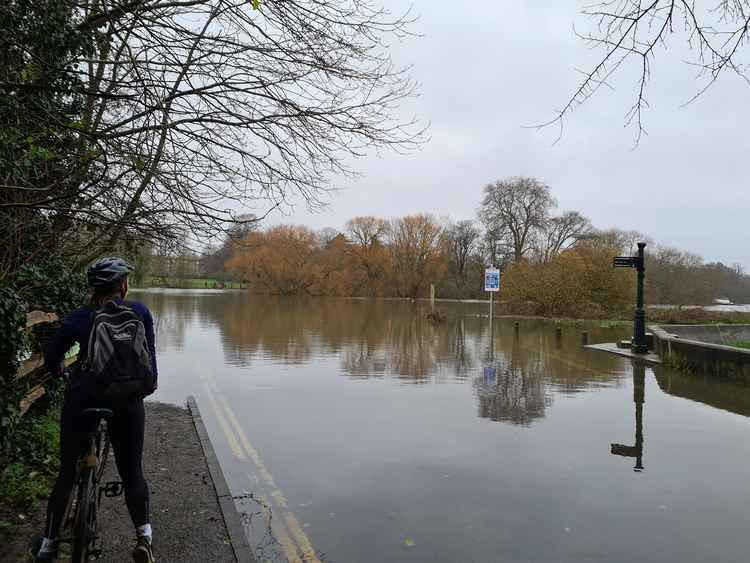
(21, 488)
(578, 283)
(34, 453)
(12, 344)
(50, 285)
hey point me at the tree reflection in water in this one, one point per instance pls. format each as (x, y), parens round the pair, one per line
(371, 338)
(412, 349)
(381, 338)
(174, 312)
(518, 393)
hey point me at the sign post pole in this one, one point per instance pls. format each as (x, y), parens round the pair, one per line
(490, 313)
(491, 285)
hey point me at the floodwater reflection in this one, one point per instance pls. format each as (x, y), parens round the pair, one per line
(639, 389)
(355, 430)
(513, 389)
(705, 389)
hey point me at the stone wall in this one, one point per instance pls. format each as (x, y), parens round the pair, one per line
(714, 333)
(703, 348)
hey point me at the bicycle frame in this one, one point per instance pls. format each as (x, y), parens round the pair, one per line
(81, 515)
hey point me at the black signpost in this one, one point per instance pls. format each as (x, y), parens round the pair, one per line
(639, 345)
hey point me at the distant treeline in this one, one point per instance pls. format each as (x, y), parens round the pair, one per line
(553, 264)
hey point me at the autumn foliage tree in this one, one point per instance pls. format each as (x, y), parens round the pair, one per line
(335, 267)
(579, 282)
(415, 252)
(281, 260)
(367, 249)
(554, 264)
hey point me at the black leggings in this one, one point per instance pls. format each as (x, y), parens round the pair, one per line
(126, 434)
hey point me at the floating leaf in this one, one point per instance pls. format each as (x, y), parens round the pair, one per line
(256, 4)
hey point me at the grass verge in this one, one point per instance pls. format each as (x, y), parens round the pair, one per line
(191, 283)
(695, 316)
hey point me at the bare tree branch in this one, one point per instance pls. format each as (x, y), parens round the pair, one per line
(197, 111)
(633, 29)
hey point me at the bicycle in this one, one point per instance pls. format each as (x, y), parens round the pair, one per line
(81, 515)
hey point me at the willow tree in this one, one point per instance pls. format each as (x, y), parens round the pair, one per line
(367, 236)
(194, 111)
(282, 260)
(414, 245)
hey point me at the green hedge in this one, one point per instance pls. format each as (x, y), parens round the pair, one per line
(12, 344)
(33, 459)
(49, 285)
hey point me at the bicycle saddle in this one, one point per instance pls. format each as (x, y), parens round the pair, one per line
(101, 413)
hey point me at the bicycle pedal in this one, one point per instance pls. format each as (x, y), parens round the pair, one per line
(113, 488)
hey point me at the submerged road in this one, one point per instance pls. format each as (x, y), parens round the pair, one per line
(294, 542)
(356, 431)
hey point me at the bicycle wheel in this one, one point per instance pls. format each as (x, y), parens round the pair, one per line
(85, 523)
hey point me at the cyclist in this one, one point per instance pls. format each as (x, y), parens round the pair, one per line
(108, 279)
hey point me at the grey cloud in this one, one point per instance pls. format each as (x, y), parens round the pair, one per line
(488, 68)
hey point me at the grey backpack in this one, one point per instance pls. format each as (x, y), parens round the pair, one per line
(118, 362)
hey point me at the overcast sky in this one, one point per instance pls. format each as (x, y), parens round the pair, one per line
(487, 68)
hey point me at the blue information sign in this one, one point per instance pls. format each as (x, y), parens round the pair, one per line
(492, 279)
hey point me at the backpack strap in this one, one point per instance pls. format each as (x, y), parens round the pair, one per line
(92, 315)
(129, 305)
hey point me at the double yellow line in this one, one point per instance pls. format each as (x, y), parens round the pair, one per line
(294, 542)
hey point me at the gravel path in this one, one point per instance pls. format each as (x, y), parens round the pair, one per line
(187, 522)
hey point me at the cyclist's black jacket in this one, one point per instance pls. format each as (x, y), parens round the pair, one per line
(76, 328)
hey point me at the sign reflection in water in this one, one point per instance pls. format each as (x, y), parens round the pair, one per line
(639, 390)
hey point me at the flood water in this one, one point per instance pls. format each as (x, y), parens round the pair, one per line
(356, 431)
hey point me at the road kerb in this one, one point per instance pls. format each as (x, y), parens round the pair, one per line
(240, 544)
